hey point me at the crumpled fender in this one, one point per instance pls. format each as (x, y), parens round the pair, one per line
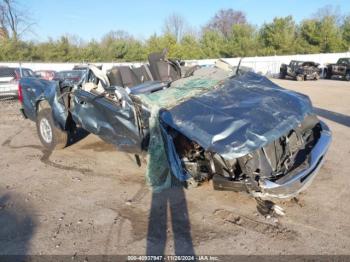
(59, 111)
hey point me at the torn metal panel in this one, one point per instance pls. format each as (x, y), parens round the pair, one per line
(112, 119)
(44, 91)
(293, 183)
(161, 156)
(245, 114)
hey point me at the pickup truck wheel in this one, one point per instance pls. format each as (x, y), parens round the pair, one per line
(50, 136)
(300, 77)
(327, 72)
(347, 76)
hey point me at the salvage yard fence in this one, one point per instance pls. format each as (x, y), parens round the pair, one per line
(265, 65)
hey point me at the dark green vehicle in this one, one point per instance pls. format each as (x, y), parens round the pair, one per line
(339, 70)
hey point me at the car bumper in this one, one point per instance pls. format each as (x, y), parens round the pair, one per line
(288, 187)
(8, 91)
(338, 76)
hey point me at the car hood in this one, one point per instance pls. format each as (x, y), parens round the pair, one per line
(247, 113)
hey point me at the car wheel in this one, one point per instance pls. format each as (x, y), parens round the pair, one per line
(300, 77)
(347, 76)
(50, 136)
(328, 73)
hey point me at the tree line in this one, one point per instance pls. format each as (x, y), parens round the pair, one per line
(227, 34)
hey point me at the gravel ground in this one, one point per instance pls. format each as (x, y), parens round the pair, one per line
(91, 199)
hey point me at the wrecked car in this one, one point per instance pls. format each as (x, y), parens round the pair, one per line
(219, 123)
(300, 70)
(339, 70)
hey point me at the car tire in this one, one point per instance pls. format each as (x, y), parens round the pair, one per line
(300, 78)
(347, 76)
(50, 136)
(328, 74)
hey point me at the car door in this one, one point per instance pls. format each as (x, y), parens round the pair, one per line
(113, 120)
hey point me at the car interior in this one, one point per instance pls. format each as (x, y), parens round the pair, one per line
(147, 78)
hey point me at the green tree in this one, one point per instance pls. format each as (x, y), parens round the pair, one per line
(158, 43)
(135, 52)
(92, 52)
(278, 37)
(243, 41)
(213, 44)
(320, 35)
(190, 48)
(330, 35)
(308, 39)
(345, 29)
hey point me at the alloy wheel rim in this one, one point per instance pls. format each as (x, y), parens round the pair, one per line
(45, 130)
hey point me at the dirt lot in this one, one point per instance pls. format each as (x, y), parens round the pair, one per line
(91, 199)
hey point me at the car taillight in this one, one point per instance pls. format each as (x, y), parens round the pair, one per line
(17, 76)
(20, 95)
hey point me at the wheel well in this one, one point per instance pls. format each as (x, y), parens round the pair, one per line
(41, 104)
(68, 125)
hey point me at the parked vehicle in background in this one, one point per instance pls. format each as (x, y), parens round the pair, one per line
(45, 74)
(300, 70)
(74, 76)
(9, 78)
(339, 70)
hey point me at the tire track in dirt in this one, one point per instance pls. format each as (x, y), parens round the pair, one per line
(126, 213)
(275, 230)
(45, 159)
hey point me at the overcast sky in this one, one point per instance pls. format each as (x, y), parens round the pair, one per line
(93, 18)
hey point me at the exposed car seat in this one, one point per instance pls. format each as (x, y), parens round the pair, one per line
(115, 77)
(124, 76)
(163, 69)
(159, 69)
(129, 78)
(153, 67)
(143, 73)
